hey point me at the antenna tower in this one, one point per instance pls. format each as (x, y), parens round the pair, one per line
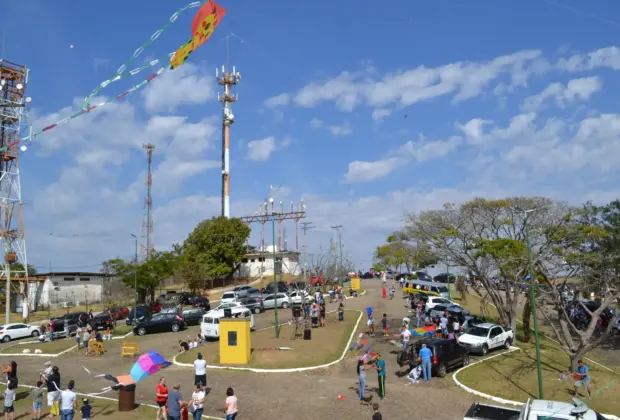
(228, 80)
(147, 225)
(13, 81)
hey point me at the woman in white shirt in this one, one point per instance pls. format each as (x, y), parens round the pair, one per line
(231, 405)
(197, 403)
(200, 371)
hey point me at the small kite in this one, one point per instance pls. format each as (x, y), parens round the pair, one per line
(147, 364)
(423, 331)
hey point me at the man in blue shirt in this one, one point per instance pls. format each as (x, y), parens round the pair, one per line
(174, 403)
(380, 365)
(584, 378)
(425, 357)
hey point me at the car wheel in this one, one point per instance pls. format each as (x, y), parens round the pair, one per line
(35, 333)
(466, 360)
(141, 331)
(257, 310)
(485, 350)
(441, 370)
(175, 327)
(507, 344)
(284, 305)
(6, 339)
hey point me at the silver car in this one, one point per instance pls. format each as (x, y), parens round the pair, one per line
(284, 301)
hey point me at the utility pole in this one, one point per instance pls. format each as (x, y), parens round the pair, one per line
(228, 80)
(337, 229)
(147, 226)
(306, 226)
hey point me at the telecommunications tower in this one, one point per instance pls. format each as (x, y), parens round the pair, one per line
(147, 225)
(228, 80)
(13, 81)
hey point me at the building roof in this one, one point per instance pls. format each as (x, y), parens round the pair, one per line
(267, 254)
(71, 273)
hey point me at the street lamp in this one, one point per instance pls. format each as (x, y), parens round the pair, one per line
(275, 282)
(533, 301)
(135, 281)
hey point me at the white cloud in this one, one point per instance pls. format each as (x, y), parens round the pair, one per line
(279, 100)
(563, 95)
(361, 171)
(186, 85)
(341, 130)
(379, 114)
(261, 150)
(316, 123)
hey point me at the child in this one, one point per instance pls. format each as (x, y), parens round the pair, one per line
(371, 326)
(86, 409)
(85, 337)
(384, 324)
(341, 312)
(37, 400)
(108, 333)
(9, 400)
(78, 334)
(377, 414)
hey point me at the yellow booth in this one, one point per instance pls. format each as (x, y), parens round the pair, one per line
(235, 341)
(355, 284)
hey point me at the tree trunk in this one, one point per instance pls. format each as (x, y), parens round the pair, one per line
(574, 359)
(527, 313)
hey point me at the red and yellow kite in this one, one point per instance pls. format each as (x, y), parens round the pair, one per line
(205, 21)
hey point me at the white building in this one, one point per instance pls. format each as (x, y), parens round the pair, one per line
(66, 290)
(258, 262)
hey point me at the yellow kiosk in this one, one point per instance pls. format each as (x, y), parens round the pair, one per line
(235, 341)
(355, 284)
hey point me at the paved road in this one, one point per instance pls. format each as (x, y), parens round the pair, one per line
(304, 395)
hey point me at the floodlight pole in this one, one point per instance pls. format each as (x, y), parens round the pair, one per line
(533, 303)
(275, 282)
(135, 281)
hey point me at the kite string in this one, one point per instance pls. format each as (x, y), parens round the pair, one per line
(120, 73)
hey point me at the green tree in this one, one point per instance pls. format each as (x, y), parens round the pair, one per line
(216, 245)
(400, 250)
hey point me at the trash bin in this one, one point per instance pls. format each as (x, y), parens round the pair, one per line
(127, 398)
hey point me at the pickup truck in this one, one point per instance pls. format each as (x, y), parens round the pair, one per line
(535, 410)
(484, 337)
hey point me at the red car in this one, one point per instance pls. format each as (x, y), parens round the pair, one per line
(317, 280)
(155, 307)
(119, 313)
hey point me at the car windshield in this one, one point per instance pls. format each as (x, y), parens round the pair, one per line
(478, 332)
(442, 289)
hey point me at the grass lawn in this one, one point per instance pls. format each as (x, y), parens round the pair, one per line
(514, 377)
(101, 409)
(121, 330)
(49, 347)
(326, 346)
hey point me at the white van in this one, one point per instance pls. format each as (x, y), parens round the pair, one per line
(210, 324)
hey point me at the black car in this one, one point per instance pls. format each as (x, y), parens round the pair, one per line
(447, 355)
(254, 304)
(102, 321)
(202, 302)
(143, 312)
(423, 276)
(72, 321)
(160, 323)
(269, 290)
(444, 278)
(193, 316)
(367, 276)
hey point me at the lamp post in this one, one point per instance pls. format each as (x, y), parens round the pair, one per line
(448, 280)
(135, 280)
(275, 282)
(533, 302)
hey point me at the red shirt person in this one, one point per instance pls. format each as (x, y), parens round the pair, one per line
(161, 398)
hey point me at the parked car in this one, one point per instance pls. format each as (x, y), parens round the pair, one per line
(283, 301)
(102, 321)
(317, 280)
(160, 323)
(210, 325)
(119, 313)
(299, 285)
(485, 337)
(242, 291)
(202, 302)
(155, 307)
(444, 278)
(433, 301)
(193, 316)
(270, 288)
(471, 321)
(299, 297)
(423, 276)
(225, 305)
(72, 320)
(140, 313)
(534, 410)
(453, 310)
(254, 304)
(254, 293)
(229, 297)
(10, 332)
(447, 355)
(367, 276)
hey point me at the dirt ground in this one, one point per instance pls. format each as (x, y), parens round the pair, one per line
(303, 395)
(325, 346)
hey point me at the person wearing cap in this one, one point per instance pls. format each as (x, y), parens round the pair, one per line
(200, 371)
(86, 409)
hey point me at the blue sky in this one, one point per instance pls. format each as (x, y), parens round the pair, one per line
(365, 109)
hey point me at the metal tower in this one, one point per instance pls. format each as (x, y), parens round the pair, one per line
(228, 80)
(13, 81)
(147, 225)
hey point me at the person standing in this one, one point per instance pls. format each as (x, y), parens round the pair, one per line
(444, 325)
(200, 371)
(341, 312)
(53, 391)
(380, 366)
(174, 403)
(198, 401)
(384, 324)
(51, 331)
(231, 405)
(37, 400)
(376, 414)
(406, 336)
(68, 402)
(86, 408)
(361, 373)
(161, 398)
(584, 378)
(9, 400)
(425, 357)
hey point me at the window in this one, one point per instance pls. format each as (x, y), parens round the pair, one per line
(69, 279)
(244, 260)
(232, 338)
(84, 278)
(55, 283)
(253, 260)
(495, 332)
(268, 298)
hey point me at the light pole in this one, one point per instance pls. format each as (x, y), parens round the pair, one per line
(448, 280)
(275, 282)
(135, 281)
(533, 302)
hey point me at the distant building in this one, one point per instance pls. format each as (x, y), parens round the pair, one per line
(67, 289)
(256, 263)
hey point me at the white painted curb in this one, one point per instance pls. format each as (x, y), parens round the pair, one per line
(353, 297)
(38, 355)
(97, 397)
(492, 397)
(256, 370)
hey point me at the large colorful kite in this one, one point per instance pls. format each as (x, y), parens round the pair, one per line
(204, 23)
